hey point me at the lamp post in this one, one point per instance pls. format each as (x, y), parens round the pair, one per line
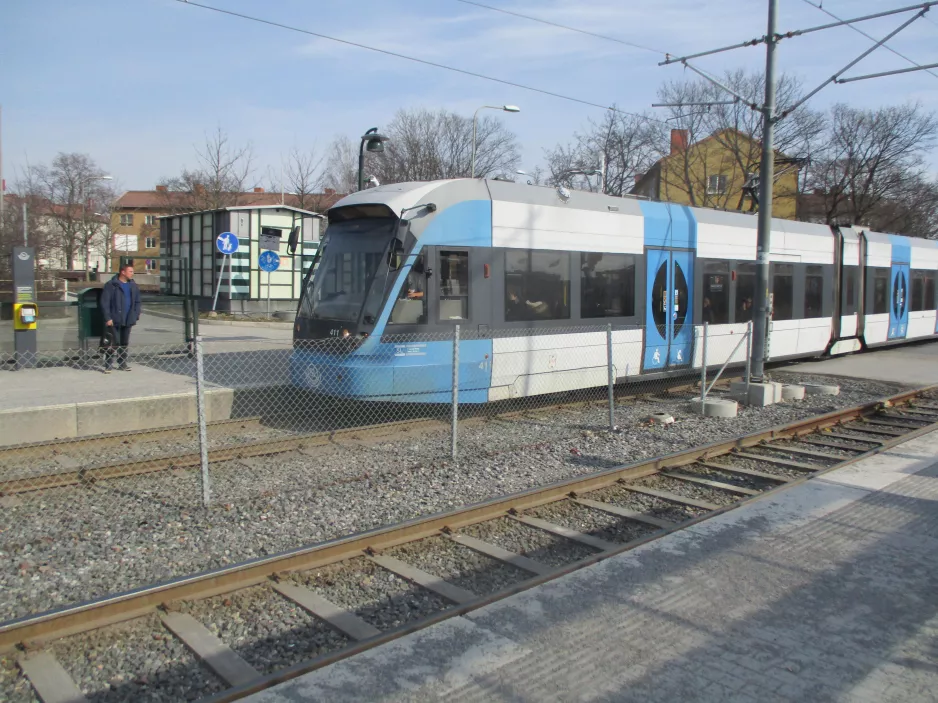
(505, 108)
(580, 172)
(373, 142)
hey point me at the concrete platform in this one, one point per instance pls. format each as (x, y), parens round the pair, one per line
(913, 365)
(823, 592)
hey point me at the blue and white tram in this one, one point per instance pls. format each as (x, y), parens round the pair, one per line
(532, 275)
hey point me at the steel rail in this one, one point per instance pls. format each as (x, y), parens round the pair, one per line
(54, 624)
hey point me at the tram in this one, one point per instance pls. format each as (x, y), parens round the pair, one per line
(533, 276)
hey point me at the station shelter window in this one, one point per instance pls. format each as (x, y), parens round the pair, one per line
(607, 285)
(715, 307)
(814, 292)
(745, 291)
(410, 305)
(537, 285)
(454, 285)
(783, 291)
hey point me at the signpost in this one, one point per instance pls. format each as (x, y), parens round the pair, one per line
(268, 261)
(227, 244)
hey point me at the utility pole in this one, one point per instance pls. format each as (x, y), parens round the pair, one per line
(766, 181)
(769, 119)
(1, 166)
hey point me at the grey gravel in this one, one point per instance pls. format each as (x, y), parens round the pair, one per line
(459, 565)
(135, 661)
(14, 686)
(376, 595)
(69, 545)
(592, 522)
(265, 629)
(686, 489)
(531, 542)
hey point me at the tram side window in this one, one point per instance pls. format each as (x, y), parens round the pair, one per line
(814, 292)
(880, 291)
(918, 291)
(410, 306)
(607, 285)
(783, 292)
(745, 291)
(537, 285)
(930, 303)
(454, 285)
(715, 307)
(848, 298)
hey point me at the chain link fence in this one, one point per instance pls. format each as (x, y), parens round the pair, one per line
(215, 420)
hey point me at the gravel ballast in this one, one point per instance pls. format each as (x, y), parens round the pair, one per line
(70, 545)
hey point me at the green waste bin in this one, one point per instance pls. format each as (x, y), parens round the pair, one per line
(90, 323)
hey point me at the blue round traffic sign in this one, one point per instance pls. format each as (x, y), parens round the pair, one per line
(269, 261)
(227, 243)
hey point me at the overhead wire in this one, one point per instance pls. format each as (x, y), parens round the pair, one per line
(563, 26)
(820, 6)
(425, 62)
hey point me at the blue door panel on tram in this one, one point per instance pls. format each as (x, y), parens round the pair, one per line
(679, 307)
(899, 281)
(657, 326)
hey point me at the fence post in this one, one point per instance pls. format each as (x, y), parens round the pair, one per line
(612, 379)
(703, 367)
(455, 418)
(748, 355)
(203, 439)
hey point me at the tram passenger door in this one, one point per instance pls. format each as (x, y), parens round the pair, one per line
(669, 332)
(899, 302)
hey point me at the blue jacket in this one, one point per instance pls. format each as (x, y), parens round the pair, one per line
(112, 303)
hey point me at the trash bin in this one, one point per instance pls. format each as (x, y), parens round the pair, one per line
(90, 324)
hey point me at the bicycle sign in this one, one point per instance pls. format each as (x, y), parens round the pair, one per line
(268, 261)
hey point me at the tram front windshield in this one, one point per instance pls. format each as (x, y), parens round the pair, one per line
(354, 256)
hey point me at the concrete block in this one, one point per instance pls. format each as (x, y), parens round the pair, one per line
(37, 424)
(715, 407)
(791, 392)
(759, 394)
(821, 389)
(661, 419)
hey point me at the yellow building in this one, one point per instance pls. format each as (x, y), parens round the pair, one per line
(718, 172)
(136, 228)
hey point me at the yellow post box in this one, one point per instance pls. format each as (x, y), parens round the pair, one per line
(25, 316)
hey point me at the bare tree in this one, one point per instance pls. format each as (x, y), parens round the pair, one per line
(223, 172)
(872, 168)
(341, 170)
(426, 145)
(302, 178)
(624, 145)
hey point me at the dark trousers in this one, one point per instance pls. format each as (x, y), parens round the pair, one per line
(120, 340)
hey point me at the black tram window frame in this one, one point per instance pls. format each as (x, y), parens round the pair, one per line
(736, 272)
(436, 280)
(637, 260)
(782, 272)
(823, 307)
(849, 279)
(701, 272)
(872, 273)
(572, 313)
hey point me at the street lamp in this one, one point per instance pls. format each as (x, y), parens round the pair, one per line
(505, 108)
(581, 172)
(85, 241)
(373, 142)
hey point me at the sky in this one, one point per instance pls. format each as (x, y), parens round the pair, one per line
(137, 84)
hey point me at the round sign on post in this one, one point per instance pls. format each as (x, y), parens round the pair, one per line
(227, 243)
(268, 261)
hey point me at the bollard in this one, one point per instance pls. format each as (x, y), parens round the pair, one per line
(455, 418)
(612, 379)
(203, 439)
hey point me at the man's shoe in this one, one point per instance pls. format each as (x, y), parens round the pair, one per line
(125, 368)
(105, 370)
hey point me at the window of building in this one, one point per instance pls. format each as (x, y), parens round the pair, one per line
(717, 184)
(411, 305)
(814, 292)
(745, 291)
(125, 242)
(149, 219)
(537, 285)
(783, 291)
(127, 220)
(152, 264)
(880, 291)
(151, 243)
(716, 293)
(607, 285)
(454, 285)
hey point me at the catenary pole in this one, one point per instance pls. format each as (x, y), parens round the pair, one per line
(766, 178)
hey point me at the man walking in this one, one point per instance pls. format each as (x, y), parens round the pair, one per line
(120, 307)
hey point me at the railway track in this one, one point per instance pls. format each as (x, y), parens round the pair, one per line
(75, 461)
(566, 526)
